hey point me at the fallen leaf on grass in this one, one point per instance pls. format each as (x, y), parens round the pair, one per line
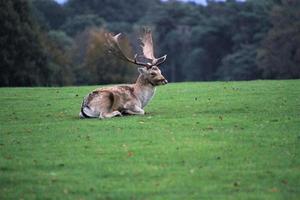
(8, 157)
(209, 128)
(28, 130)
(129, 154)
(274, 189)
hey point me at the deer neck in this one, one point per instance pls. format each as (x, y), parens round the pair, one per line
(144, 90)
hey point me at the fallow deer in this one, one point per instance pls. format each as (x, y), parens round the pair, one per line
(130, 99)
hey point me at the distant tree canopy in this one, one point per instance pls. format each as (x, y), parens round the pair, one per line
(279, 55)
(45, 43)
(22, 57)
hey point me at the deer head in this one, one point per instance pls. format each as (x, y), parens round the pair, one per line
(149, 70)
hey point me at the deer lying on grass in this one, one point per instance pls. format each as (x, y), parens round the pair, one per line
(126, 99)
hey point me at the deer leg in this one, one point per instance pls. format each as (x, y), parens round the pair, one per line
(135, 110)
(109, 115)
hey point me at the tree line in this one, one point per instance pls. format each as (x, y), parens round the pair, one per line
(44, 43)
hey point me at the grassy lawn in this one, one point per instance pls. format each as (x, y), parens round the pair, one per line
(218, 140)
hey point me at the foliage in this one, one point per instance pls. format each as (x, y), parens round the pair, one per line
(231, 40)
(49, 13)
(221, 140)
(112, 11)
(63, 41)
(240, 65)
(81, 22)
(98, 65)
(279, 56)
(22, 58)
(58, 46)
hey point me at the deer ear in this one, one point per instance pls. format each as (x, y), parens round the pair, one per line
(142, 70)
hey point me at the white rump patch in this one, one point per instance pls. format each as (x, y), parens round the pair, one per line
(89, 112)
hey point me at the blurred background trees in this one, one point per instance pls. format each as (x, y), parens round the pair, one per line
(279, 54)
(22, 56)
(45, 43)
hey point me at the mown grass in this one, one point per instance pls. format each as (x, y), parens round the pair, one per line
(222, 140)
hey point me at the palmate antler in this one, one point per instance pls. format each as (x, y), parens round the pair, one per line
(147, 46)
(114, 47)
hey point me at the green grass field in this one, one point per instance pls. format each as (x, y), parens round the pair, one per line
(219, 140)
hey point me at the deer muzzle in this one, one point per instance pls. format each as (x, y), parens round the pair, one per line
(163, 81)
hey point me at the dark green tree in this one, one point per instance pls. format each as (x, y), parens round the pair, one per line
(49, 13)
(247, 29)
(79, 23)
(240, 65)
(224, 40)
(58, 47)
(112, 11)
(173, 22)
(96, 65)
(22, 59)
(279, 57)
